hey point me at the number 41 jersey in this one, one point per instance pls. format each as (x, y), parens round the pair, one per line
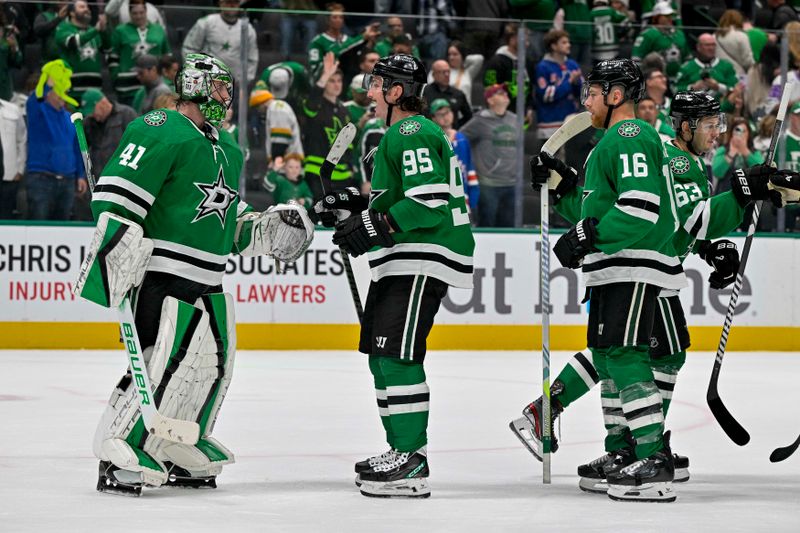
(417, 180)
(182, 187)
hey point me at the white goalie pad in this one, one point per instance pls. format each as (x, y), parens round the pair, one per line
(190, 368)
(116, 261)
(283, 231)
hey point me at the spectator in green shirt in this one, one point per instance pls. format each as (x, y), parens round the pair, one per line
(287, 183)
(706, 72)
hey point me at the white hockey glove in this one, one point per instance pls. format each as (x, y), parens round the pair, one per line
(283, 231)
(787, 184)
(116, 261)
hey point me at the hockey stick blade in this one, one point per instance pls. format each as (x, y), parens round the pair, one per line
(573, 126)
(781, 454)
(729, 425)
(340, 145)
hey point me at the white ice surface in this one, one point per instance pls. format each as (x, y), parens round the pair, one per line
(298, 420)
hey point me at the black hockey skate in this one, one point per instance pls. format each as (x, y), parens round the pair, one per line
(114, 480)
(528, 428)
(181, 478)
(593, 474)
(405, 476)
(371, 462)
(681, 468)
(645, 480)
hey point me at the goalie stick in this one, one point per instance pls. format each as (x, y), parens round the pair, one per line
(732, 428)
(340, 145)
(572, 127)
(171, 429)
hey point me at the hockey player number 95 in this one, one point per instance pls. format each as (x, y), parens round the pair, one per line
(419, 162)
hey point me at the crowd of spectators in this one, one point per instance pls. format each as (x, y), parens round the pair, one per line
(304, 73)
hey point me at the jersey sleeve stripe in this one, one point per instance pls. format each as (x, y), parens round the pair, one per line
(638, 212)
(122, 201)
(697, 223)
(641, 195)
(431, 188)
(129, 185)
(125, 193)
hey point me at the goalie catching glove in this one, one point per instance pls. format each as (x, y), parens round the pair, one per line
(116, 261)
(363, 231)
(560, 181)
(283, 231)
(723, 257)
(339, 205)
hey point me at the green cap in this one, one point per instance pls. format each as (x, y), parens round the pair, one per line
(438, 104)
(89, 101)
(795, 108)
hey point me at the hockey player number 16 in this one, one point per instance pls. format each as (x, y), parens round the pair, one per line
(639, 165)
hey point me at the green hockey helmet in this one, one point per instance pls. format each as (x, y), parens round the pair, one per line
(200, 78)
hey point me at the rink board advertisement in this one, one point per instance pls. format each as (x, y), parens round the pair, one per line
(309, 306)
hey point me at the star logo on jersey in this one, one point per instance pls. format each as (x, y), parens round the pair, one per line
(88, 52)
(155, 118)
(409, 127)
(226, 46)
(217, 199)
(629, 129)
(332, 132)
(142, 48)
(679, 165)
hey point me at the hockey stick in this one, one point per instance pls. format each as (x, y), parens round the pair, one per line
(780, 454)
(572, 127)
(156, 424)
(343, 140)
(732, 428)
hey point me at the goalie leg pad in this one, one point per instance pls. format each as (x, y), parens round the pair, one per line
(192, 365)
(283, 231)
(116, 261)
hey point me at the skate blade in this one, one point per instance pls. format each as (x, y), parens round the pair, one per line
(120, 490)
(681, 475)
(185, 483)
(594, 486)
(521, 428)
(660, 492)
(404, 488)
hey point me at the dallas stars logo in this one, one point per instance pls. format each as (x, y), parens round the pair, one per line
(142, 48)
(217, 199)
(332, 132)
(409, 127)
(88, 52)
(629, 129)
(679, 165)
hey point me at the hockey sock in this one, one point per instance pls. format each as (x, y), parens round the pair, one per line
(629, 368)
(380, 394)
(407, 397)
(613, 417)
(665, 372)
(578, 377)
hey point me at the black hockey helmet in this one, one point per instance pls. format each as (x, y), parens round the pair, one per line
(691, 106)
(399, 69)
(616, 72)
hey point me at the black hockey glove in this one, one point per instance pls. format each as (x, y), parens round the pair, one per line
(571, 248)
(339, 205)
(723, 257)
(359, 233)
(541, 165)
(751, 184)
(787, 185)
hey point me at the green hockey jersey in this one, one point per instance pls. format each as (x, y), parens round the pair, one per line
(128, 42)
(417, 180)
(82, 50)
(792, 148)
(701, 216)
(720, 70)
(630, 194)
(671, 45)
(324, 43)
(609, 27)
(182, 187)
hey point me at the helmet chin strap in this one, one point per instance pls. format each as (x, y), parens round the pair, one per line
(690, 142)
(389, 108)
(611, 108)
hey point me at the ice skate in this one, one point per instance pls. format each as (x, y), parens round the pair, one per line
(528, 429)
(182, 478)
(593, 474)
(371, 462)
(645, 480)
(114, 480)
(404, 476)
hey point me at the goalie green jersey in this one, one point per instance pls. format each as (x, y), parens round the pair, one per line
(630, 194)
(417, 180)
(182, 187)
(701, 215)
